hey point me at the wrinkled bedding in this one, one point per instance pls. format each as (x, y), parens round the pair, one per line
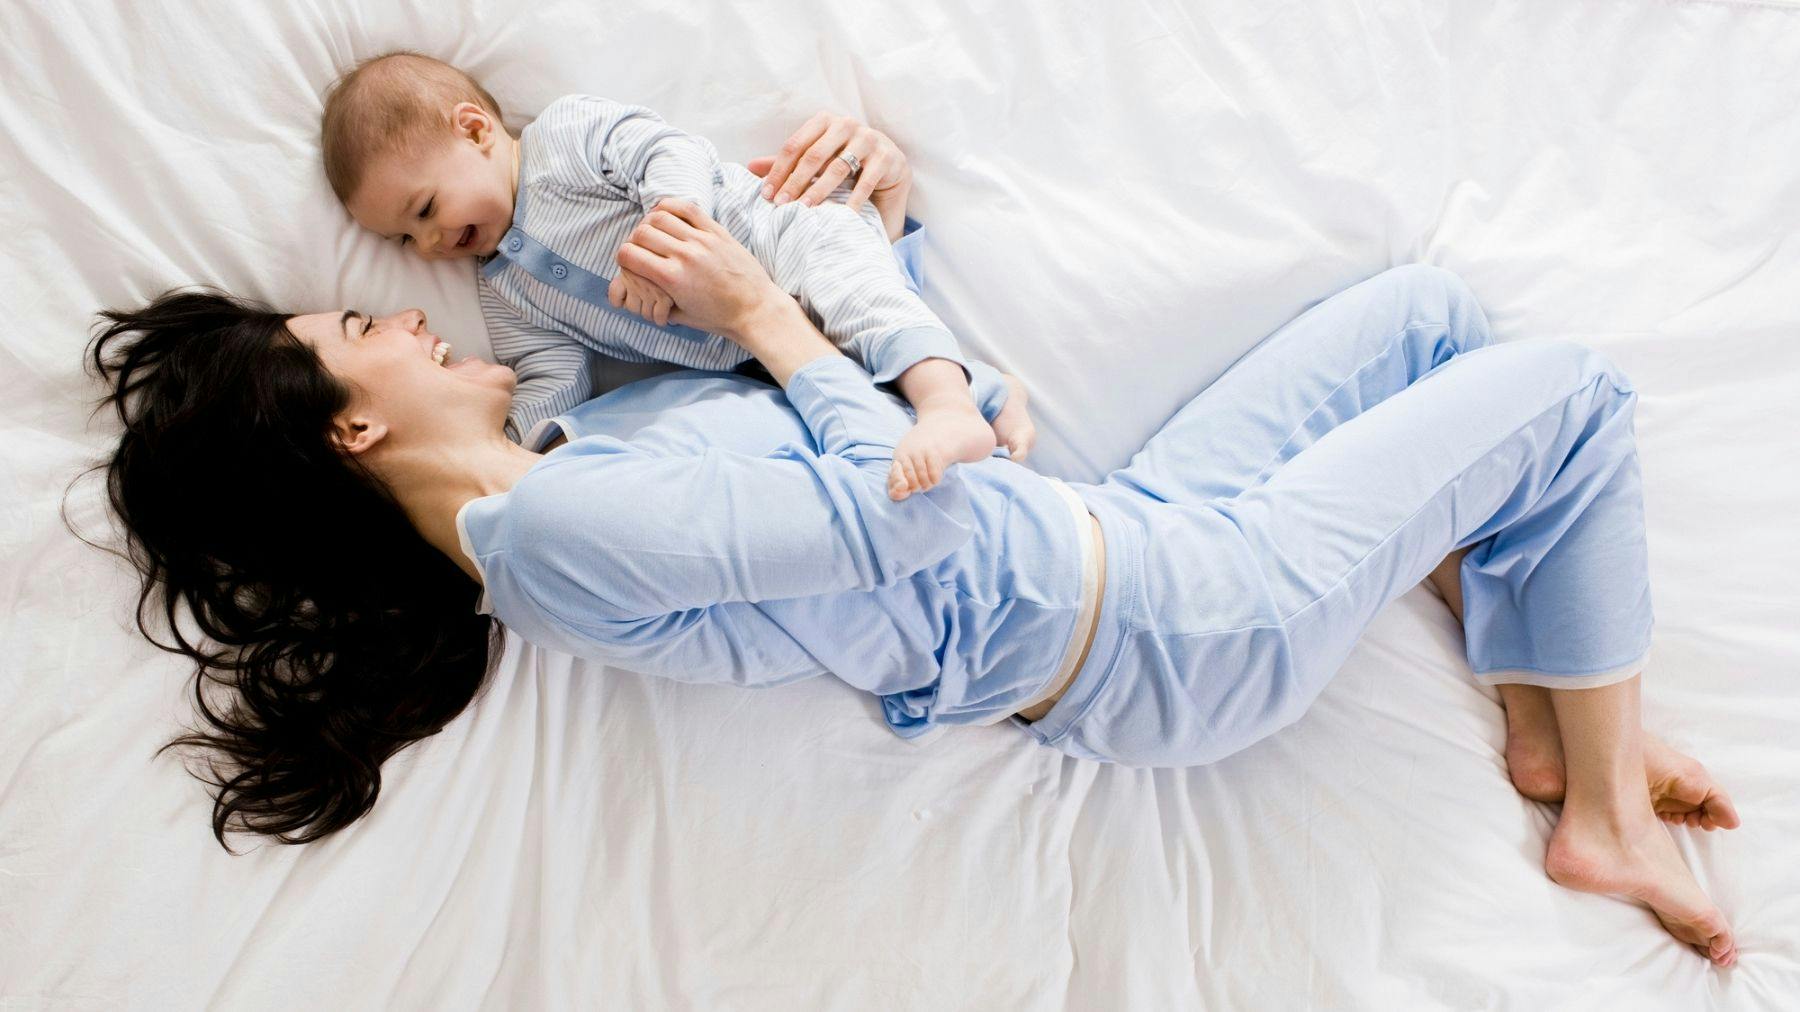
(1122, 199)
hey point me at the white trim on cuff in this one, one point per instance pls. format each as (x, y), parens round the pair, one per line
(1547, 680)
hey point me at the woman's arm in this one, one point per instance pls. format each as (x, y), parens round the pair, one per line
(622, 544)
(810, 156)
(659, 537)
(718, 286)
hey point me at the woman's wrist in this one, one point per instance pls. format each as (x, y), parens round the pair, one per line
(890, 204)
(779, 334)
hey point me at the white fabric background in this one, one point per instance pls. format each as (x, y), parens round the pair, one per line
(1123, 197)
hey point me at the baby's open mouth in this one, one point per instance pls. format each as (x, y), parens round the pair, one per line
(468, 236)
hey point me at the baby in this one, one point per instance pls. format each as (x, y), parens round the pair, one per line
(416, 151)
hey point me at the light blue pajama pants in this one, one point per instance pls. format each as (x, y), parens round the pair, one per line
(1331, 469)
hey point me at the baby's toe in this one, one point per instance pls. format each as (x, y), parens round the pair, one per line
(934, 472)
(898, 487)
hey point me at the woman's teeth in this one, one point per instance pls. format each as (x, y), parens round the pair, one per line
(439, 352)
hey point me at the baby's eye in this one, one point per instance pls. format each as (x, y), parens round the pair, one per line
(425, 212)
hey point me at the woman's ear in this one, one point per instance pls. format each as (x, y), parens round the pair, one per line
(473, 124)
(357, 435)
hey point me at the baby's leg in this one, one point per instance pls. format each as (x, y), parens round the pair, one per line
(949, 429)
(842, 269)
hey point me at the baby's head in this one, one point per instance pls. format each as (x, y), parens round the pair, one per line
(416, 151)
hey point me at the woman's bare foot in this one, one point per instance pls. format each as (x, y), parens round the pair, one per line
(1534, 755)
(1682, 792)
(1620, 849)
(1013, 427)
(947, 432)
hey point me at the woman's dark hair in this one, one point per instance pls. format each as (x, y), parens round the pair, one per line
(343, 633)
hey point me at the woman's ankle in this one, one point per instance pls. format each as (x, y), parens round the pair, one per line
(1613, 806)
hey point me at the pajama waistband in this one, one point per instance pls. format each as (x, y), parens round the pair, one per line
(1124, 546)
(1084, 615)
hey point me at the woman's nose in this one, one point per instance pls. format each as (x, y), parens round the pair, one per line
(412, 319)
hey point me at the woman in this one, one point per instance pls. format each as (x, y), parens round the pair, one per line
(700, 526)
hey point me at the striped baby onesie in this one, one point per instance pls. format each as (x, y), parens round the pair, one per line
(589, 168)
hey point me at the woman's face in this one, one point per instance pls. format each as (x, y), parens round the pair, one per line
(400, 390)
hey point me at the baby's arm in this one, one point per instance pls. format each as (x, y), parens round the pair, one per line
(631, 148)
(555, 372)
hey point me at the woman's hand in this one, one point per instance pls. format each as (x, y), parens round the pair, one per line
(719, 286)
(716, 283)
(808, 167)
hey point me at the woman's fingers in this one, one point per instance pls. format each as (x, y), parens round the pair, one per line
(833, 174)
(813, 160)
(859, 145)
(664, 219)
(688, 214)
(657, 240)
(782, 165)
(872, 168)
(658, 270)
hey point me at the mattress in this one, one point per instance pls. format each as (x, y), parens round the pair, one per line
(1121, 199)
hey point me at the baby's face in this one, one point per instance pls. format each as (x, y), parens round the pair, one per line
(445, 199)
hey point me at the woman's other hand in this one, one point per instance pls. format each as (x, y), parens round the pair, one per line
(717, 285)
(808, 168)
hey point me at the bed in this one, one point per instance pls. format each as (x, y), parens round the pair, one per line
(1121, 198)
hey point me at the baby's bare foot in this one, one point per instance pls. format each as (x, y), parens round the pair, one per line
(1681, 790)
(1623, 851)
(1013, 427)
(945, 434)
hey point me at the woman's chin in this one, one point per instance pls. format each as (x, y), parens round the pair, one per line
(481, 370)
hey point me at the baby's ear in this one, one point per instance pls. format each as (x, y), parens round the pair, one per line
(472, 123)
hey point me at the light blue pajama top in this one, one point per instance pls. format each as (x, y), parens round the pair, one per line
(706, 528)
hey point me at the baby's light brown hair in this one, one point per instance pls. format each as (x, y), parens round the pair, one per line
(386, 104)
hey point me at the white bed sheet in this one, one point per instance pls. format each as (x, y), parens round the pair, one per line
(1122, 197)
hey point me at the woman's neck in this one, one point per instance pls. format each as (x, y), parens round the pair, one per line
(432, 483)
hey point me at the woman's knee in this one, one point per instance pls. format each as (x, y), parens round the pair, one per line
(1434, 294)
(1555, 364)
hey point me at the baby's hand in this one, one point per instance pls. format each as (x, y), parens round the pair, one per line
(641, 296)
